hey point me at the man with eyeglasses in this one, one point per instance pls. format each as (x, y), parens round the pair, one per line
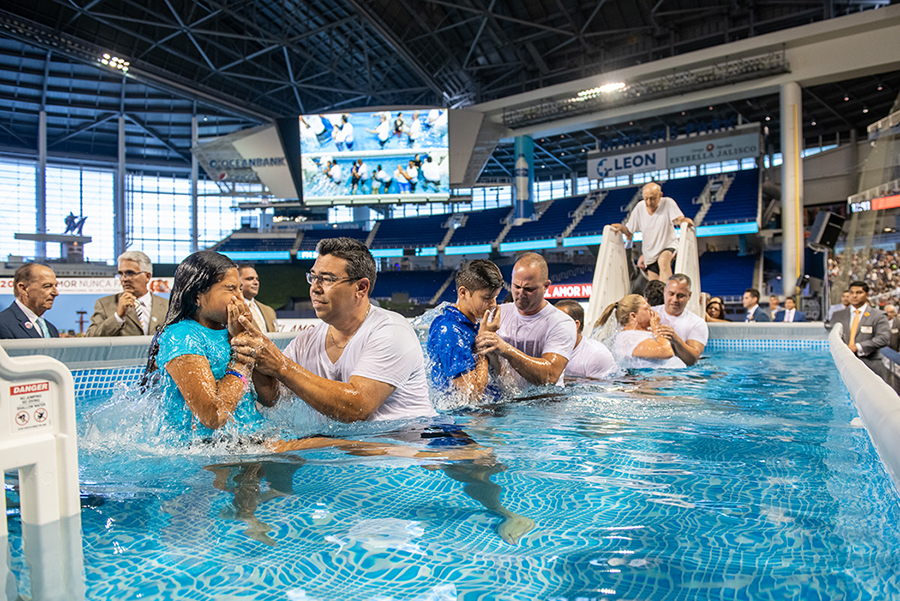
(362, 363)
(135, 311)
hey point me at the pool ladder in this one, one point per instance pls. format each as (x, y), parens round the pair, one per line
(39, 440)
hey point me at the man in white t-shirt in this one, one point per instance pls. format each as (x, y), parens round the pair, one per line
(536, 338)
(655, 217)
(686, 331)
(362, 363)
(591, 358)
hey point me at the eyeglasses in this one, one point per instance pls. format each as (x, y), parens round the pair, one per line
(127, 275)
(325, 280)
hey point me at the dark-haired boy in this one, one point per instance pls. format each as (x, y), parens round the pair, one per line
(451, 338)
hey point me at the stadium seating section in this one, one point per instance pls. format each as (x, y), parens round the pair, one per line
(723, 273)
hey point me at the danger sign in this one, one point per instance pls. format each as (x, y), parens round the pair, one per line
(30, 405)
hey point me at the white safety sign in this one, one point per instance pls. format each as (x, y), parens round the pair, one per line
(30, 405)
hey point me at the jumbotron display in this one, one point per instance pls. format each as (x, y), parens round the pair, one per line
(376, 157)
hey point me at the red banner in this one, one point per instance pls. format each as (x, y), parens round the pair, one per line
(568, 291)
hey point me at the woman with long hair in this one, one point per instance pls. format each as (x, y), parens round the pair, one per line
(205, 386)
(715, 311)
(639, 343)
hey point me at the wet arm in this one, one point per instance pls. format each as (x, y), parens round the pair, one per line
(654, 349)
(212, 402)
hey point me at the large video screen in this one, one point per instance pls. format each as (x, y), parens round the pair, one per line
(387, 156)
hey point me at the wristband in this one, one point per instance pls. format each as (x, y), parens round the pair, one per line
(237, 374)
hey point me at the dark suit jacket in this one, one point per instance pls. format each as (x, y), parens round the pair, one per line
(103, 321)
(895, 333)
(798, 316)
(12, 324)
(874, 332)
(760, 316)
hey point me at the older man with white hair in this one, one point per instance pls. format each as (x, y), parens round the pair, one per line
(655, 217)
(894, 321)
(135, 311)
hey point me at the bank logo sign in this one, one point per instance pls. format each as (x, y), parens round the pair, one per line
(697, 151)
(626, 164)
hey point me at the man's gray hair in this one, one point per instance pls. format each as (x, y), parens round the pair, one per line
(138, 257)
(680, 277)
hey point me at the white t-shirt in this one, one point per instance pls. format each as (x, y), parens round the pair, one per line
(431, 171)
(347, 131)
(547, 331)
(385, 348)
(590, 359)
(628, 340)
(658, 230)
(383, 130)
(688, 326)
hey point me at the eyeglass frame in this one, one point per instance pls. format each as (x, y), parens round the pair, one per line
(312, 278)
(127, 275)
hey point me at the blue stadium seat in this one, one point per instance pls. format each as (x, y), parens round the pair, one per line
(411, 232)
(550, 225)
(740, 204)
(482, 227)
(312, 237)
(724, 273)
(261, 244)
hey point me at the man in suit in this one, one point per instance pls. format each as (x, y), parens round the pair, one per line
(894, 321)
(791, 313)
(866, 329)
(263, 315)
(34, 286)
(754, 311)
(135, 311)
(774, 307)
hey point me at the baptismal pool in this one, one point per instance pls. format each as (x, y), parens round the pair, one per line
(740, 478)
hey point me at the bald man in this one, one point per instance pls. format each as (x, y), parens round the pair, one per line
(656, 217)
(535, 338)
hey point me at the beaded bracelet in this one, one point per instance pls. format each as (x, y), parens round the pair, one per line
(237, 374)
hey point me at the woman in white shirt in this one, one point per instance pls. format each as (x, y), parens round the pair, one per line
(639, 344)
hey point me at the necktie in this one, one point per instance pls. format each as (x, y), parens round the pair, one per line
(139, 307)
(42, 325)
(853, 327)
(790, 316)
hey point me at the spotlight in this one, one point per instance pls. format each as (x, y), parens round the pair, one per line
(768, 118)
(865, 109)
(813, 123)
(846, 98)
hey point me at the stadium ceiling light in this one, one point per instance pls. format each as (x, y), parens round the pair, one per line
(604, 89)
(865, 109)
(115, 62)
(813, 123)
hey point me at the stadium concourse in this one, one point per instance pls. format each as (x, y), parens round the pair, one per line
(436, 133)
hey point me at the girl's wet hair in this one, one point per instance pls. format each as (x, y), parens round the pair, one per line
(194, 276)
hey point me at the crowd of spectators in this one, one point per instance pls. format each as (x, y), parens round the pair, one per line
(877, 267)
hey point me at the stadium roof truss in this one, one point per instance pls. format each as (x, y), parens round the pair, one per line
(238, 64)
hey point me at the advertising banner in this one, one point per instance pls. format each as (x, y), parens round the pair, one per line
(703, 150)
(627, 163)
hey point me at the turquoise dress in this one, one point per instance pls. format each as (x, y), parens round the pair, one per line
(187, 337)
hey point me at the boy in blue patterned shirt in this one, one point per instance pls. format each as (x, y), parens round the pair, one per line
(451, 338)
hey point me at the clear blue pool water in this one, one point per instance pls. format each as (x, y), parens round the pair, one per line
(740, 478)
